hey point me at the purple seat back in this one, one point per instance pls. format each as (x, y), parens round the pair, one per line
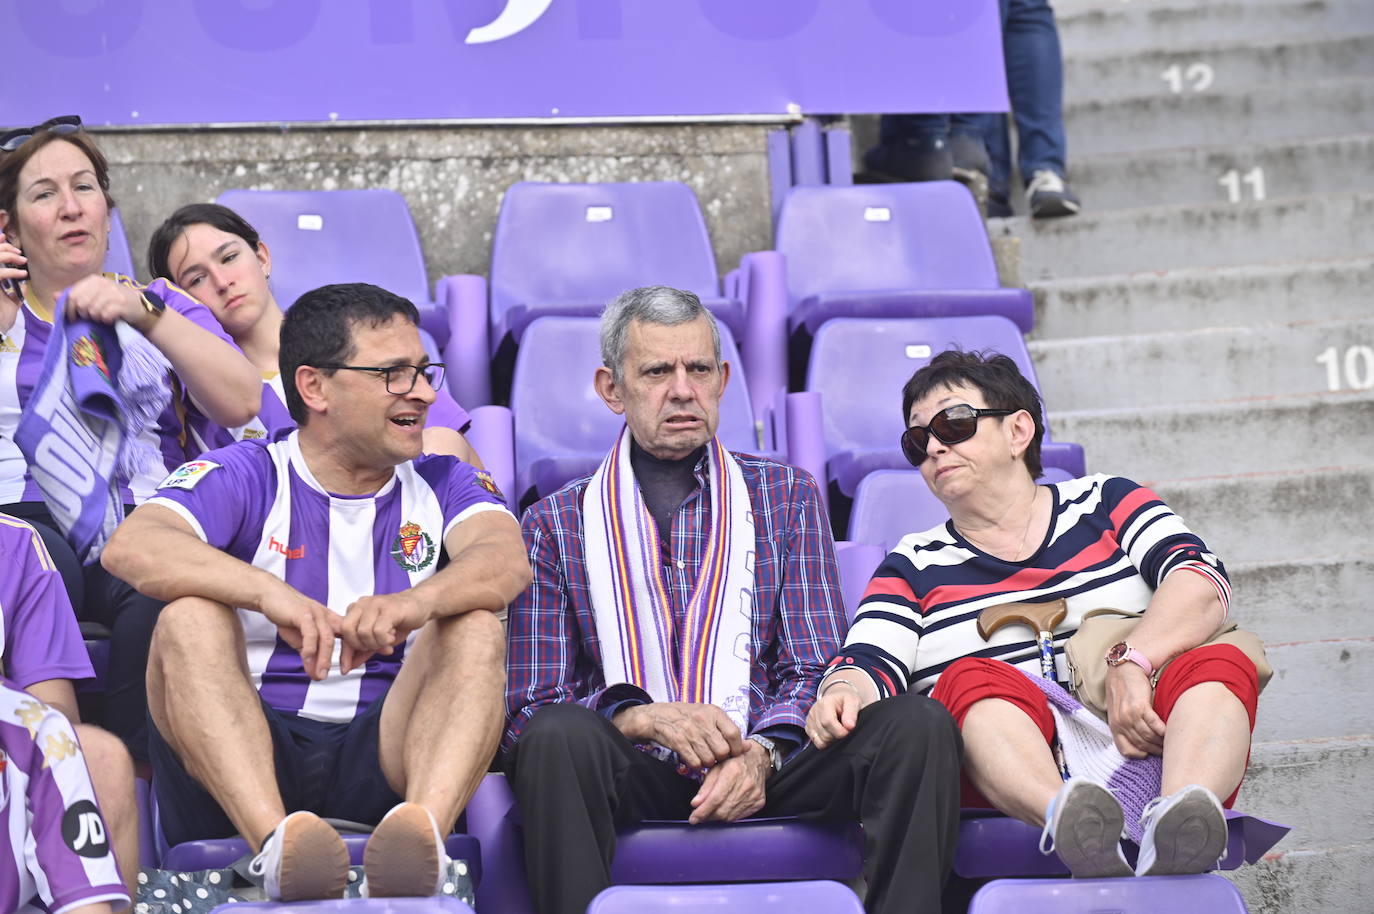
(889, 504)
(584, 244)
(857, 562)
(1205, 894)
(860, 365)
(319, 237)
(558, 412)
(118, 257)
(875, 237)
(813, 897)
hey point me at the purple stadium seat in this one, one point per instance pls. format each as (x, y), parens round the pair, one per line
(492, 436)
(891, 250)
(857, 563)
(439, 904)
(813, 897)
(118, 257)
(859, 366)
(666, 852)
(563, 428)
(319, 237)
(567, 249)
(1205, 894)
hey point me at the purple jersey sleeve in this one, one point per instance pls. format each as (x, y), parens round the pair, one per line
(462, 490)
(446, 413)
(224, 494)
(42, 639)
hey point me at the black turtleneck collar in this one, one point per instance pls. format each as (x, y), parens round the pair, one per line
(665, 484)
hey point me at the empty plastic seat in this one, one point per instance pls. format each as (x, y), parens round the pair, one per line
(860, 365)
(857, 562)
(813, 897)
(319, 237)
(891, 250)
(1206, 894)
(568, 249)
(118, 257)
(563, 429)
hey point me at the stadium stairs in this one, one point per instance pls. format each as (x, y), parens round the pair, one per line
(1206, 326)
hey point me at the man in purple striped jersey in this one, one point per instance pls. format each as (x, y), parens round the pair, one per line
(61, 848)
(331, 647)
(662, 664)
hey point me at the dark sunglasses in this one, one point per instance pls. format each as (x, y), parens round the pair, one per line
(67, 123)
(951, 425)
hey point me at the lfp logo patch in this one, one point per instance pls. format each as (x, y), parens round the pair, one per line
(188, 475)
(412, 549)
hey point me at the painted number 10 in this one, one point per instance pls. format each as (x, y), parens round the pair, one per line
(1233, 180)
(1358, 365)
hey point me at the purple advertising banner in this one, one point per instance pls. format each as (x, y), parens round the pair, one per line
(146, 62)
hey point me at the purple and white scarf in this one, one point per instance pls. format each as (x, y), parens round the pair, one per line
(99, 388)
(709, 660)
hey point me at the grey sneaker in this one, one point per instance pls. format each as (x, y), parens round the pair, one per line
(405, 855)
(304, 858)
(1185, 833)
(1049, 197)
(1083, 826)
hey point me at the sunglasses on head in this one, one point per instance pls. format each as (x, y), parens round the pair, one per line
(951, 425)
(67, 123)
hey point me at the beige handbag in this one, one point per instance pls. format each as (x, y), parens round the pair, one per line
(1086, 653)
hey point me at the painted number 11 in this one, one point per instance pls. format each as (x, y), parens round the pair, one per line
(1233, 180)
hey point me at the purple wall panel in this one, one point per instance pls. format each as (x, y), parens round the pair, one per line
(236, 61)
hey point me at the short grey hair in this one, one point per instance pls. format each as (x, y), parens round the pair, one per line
(653, 305)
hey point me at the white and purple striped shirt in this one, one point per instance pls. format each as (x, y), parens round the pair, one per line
(260, 503)
(59, 848)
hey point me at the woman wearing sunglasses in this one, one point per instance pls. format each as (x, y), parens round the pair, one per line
(974, 430)
(212, 252)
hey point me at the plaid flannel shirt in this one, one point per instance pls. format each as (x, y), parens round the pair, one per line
(554, 654)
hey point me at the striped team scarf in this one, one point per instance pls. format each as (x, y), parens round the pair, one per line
(709, 660)
(81, 432)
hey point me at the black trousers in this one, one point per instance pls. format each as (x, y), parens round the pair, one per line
(577, 779)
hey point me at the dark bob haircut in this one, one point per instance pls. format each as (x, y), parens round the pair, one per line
(318, 329)
(993, 375)
(212, 214)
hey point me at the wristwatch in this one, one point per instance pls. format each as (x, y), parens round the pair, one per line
(774, 753)
(1121, 652)
(153, 305)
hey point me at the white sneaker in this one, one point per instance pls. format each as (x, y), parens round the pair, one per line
(304, 858)
(1184, 833)
(1048, 196)
(1083, 826)
(405, 855)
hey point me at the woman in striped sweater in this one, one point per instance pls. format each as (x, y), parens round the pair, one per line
(974, 432)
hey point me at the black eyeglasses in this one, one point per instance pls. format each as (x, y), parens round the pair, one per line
(67, 123)
(951, 425)
(400, 379)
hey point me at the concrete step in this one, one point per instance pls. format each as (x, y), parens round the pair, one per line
(1224, 363)
(1283, 777)
(1162, 120)
(1327, 165)
(1319, 689)
(1208, 67)
(1333, 595)
(1109, 26)
(1250, 435)
(1193, 235)
(1204, 297)
(1332, 879)
(1279, 517)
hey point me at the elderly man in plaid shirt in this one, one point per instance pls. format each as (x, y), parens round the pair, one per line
(684, 606)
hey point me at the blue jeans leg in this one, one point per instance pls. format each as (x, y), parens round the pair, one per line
(1035, 82)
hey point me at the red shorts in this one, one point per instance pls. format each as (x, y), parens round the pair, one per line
(973, 679)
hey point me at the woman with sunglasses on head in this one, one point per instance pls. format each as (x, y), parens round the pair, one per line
(213, 253)
(974, 430)
(54, 230)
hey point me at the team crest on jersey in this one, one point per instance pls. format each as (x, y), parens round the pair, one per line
(412, 549)
(86, 351)
(485, 481)
(188, 475)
